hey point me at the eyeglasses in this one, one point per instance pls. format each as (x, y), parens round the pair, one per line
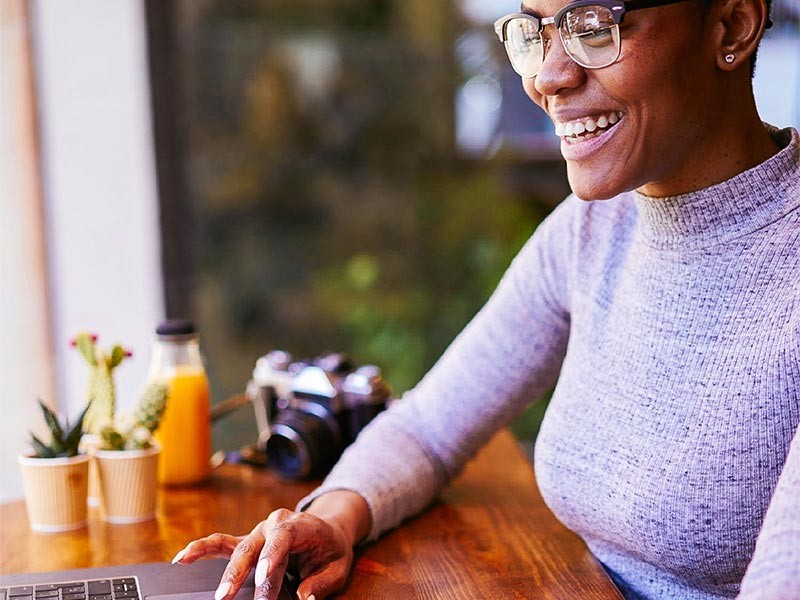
(588, 29)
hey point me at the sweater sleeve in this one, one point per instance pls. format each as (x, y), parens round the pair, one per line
(506, 357)
(774, 571)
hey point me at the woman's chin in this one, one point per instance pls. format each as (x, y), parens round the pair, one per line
(591, 185)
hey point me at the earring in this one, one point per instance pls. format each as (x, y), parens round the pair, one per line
(729, 58)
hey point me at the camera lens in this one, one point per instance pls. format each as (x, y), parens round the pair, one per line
(302, 445)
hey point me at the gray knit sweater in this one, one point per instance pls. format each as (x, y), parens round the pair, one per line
(672, 327)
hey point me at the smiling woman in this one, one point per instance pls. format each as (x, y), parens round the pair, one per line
(661, 299)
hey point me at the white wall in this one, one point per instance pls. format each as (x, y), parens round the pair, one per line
(99, 186)
(25, 354)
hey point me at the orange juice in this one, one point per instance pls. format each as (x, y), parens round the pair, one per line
(185, 431)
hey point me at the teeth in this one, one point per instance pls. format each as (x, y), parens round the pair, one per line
(587, 128)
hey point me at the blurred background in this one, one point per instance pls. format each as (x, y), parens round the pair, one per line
(310, 175)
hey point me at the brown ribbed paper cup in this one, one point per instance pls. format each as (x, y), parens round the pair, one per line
(128, 483)
(55, 492)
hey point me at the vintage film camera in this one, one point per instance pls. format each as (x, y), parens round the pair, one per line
(309, 411)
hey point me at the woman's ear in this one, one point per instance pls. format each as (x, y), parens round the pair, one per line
(739, 25)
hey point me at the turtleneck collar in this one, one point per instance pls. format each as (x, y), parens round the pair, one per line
(738, 206)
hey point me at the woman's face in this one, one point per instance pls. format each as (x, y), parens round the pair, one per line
(660, 92)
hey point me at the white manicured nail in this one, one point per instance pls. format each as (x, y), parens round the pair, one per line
(261, 571)
(222, 590)
(179, 556)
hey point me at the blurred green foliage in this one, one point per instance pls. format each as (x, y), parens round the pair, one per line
(334, 210)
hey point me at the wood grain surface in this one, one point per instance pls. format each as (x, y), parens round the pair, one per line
(489, 535)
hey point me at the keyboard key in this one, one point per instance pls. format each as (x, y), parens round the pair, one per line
(127, 594)
(101, 597)
(46, 594)
(75, 596)
(130, 580)
(102, 586)
(23, 590)
(47, 587)
(73, 588)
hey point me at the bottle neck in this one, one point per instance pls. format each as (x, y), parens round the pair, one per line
(174, 354)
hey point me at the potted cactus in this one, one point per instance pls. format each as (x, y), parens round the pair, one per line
(55, 476)
(127, 459)
(100, 396)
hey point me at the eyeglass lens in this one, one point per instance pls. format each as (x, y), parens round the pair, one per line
(589, 34)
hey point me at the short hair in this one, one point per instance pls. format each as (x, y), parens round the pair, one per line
(755, 52)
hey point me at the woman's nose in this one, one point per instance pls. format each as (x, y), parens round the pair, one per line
(558, 71)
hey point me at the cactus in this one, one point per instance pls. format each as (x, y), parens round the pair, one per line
(151, 406)
(134, 432)
(101, 396)
(64, 439)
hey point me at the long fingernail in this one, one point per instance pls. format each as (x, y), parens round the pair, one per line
(311, 597)
(222, 590)
(179, 556)
(261, 571)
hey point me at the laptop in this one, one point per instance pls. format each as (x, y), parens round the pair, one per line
(150, 581)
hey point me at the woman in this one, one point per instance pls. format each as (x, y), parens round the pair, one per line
(669, 316)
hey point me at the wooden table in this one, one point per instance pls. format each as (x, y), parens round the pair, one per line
(488, 536)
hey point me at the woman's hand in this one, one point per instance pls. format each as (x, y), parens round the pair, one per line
(319, 545)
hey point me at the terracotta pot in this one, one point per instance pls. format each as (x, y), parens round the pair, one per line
(128, 484)
(55, 492)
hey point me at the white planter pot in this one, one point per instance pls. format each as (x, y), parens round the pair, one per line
(55, 492)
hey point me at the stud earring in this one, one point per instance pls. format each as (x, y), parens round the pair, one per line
(729, 58)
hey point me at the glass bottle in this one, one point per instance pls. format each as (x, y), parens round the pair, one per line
(185, 430)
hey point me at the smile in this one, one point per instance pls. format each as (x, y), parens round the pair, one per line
(585, 128)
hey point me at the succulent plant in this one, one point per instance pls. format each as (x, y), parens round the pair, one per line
(101, 396)
(134, 431)
(64, 439)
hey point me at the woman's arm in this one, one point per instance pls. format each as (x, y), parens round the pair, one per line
(508, 356)
(774, 571)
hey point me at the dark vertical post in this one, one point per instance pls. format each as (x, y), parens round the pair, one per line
(175, 211)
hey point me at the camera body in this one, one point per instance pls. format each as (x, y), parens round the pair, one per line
(311, 410)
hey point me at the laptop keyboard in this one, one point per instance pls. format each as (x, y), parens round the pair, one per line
(123, 588)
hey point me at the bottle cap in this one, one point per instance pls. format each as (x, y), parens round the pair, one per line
(175, 328)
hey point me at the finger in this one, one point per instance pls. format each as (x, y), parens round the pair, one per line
(328, 580)
(270, 559)
(242, 560)
(287, 533)
(270, 587)
(215, 545)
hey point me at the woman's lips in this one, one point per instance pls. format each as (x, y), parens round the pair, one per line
(583, 146)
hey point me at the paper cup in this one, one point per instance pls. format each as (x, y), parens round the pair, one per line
(128, 483)
(90, 443)
(55, 492)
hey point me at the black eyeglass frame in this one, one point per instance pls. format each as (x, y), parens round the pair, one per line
(617, 8)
